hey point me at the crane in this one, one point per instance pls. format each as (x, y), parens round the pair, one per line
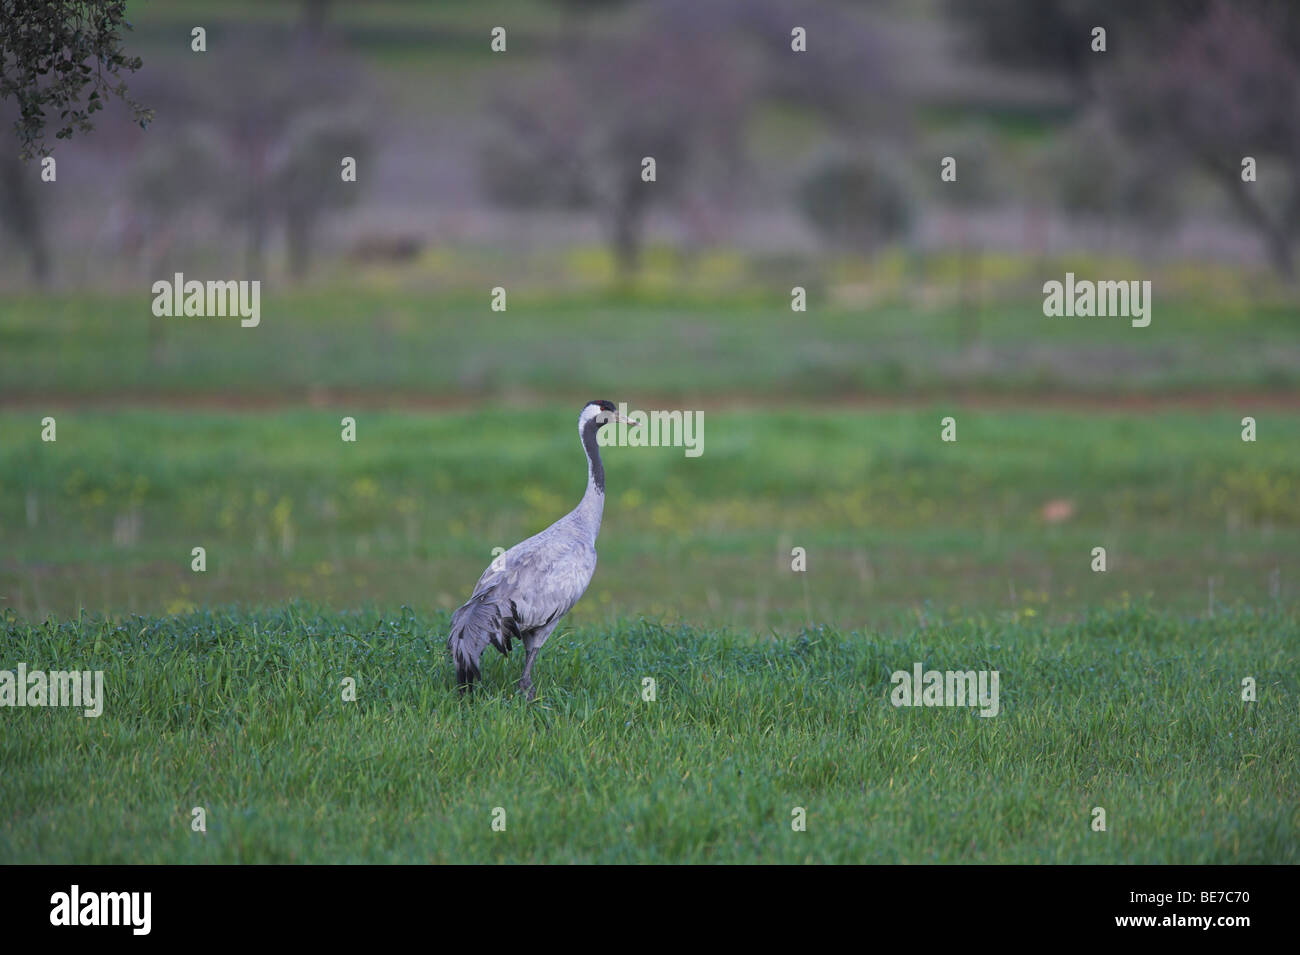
(525, 592)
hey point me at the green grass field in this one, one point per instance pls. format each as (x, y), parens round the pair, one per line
(394, 342)
(1119, 690)
(241, 713)
(896, 524)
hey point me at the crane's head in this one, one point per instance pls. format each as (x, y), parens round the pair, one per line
(602, 412)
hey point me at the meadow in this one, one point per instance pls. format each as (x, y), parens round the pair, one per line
(417, 334)
(328, 560)
(897, 525)
(826, 537)
(242, 714)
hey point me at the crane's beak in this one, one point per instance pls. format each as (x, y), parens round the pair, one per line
(612, 416)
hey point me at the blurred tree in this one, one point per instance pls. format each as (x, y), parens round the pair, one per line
(1037, 35)
(307, 187)
(172, 179)
(978, 183)
(846, 76)
(171, 183)
(50, 51)
(672, 91)
(856, 201)
(1097, 175)
(21, 211)
(1198, 83)
(283, 122)
(1227, 87)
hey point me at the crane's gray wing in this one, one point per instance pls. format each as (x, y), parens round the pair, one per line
(541, 578)
(530, 586)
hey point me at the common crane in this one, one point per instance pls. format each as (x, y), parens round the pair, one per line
(524, 592)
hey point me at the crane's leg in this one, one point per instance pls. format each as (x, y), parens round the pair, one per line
(532, 646)
(526, 683)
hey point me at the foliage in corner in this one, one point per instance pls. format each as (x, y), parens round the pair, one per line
(50, 52)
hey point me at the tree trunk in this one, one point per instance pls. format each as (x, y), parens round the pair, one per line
(1277, 235)
(1278, 242)
(627, 222)
(298, 234)
(254, 255)
(40, 257)
(21, 210)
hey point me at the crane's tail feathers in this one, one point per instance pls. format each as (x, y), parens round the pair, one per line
(479, 623)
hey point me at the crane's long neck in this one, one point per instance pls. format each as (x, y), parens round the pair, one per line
(592, 505)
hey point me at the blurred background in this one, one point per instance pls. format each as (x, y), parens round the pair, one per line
(775, 169)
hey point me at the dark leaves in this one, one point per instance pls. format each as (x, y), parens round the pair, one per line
(46, 52)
